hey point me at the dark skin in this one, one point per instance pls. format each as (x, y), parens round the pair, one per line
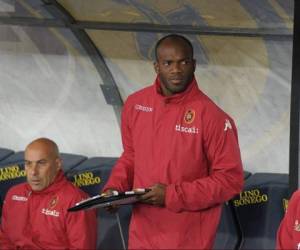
(175, 67)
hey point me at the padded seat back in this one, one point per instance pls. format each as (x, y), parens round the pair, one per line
(260, 208)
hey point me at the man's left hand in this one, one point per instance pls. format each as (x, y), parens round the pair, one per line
(156, 196)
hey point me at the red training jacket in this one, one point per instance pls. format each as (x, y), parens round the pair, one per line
(186, 142)
(288, 234)
(39, 220)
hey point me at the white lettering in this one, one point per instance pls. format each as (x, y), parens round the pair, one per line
(189, 130)
(50, 212)
(18, 198)
(143, 108)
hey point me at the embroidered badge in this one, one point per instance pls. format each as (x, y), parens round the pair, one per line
(297, 226)
(189, 116)
(53, 202)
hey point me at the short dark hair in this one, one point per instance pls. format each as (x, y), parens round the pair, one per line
(173, 37)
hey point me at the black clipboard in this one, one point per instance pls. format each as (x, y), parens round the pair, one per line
(98, 201)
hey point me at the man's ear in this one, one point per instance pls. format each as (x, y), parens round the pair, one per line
(156, 67)
(58, 163)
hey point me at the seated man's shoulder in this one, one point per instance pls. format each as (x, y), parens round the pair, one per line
(18, 193)
(18, 188)
(293, 203)
(296, 196)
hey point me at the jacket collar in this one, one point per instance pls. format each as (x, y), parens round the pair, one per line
(177, 98)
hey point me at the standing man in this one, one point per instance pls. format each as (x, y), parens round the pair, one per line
(183, 147)
(35, 213)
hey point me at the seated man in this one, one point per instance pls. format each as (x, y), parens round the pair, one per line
(35, 213)
(288, 234)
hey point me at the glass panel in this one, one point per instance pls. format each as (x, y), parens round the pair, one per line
(50, 88)
(248, 77)
(20, 8)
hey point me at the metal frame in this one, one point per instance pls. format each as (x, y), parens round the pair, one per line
(112, 96)
(295, 105)
(148, 27)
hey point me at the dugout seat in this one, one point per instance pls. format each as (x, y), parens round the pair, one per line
(4, 153)
(91, 176)
(260, 208)
(229, 234)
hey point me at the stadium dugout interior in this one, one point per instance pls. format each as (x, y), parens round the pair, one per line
(67, 66)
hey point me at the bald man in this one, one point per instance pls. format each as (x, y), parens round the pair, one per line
(35, 213)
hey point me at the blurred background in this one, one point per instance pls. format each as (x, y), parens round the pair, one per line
(67, 66)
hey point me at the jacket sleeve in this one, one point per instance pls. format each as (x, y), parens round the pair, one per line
(121, 177)
(81, 229)
(225, 173)
(284, 238)
(5, 242)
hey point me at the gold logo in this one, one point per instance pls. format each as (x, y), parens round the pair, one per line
(53, 202)
(285, 204)
(189, 116)
(86, 179)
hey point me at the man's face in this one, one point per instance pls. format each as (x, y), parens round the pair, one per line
(175, 66)
(41, 167)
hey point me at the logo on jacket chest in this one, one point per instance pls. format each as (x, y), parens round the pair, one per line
(189, 116)
(189, 130)
(53, 202)
(188, 119)
(143, 108)
(50, 211)
(19, 198)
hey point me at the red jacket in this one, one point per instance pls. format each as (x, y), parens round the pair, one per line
(288, 234)
(36, 220)
(186, 142)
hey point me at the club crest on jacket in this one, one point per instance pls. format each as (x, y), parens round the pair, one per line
(189, 116)
(53, 202)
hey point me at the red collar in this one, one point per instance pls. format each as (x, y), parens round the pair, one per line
(176, 98)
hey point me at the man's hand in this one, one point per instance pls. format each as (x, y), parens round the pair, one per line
(111, 209)
(156, 196)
